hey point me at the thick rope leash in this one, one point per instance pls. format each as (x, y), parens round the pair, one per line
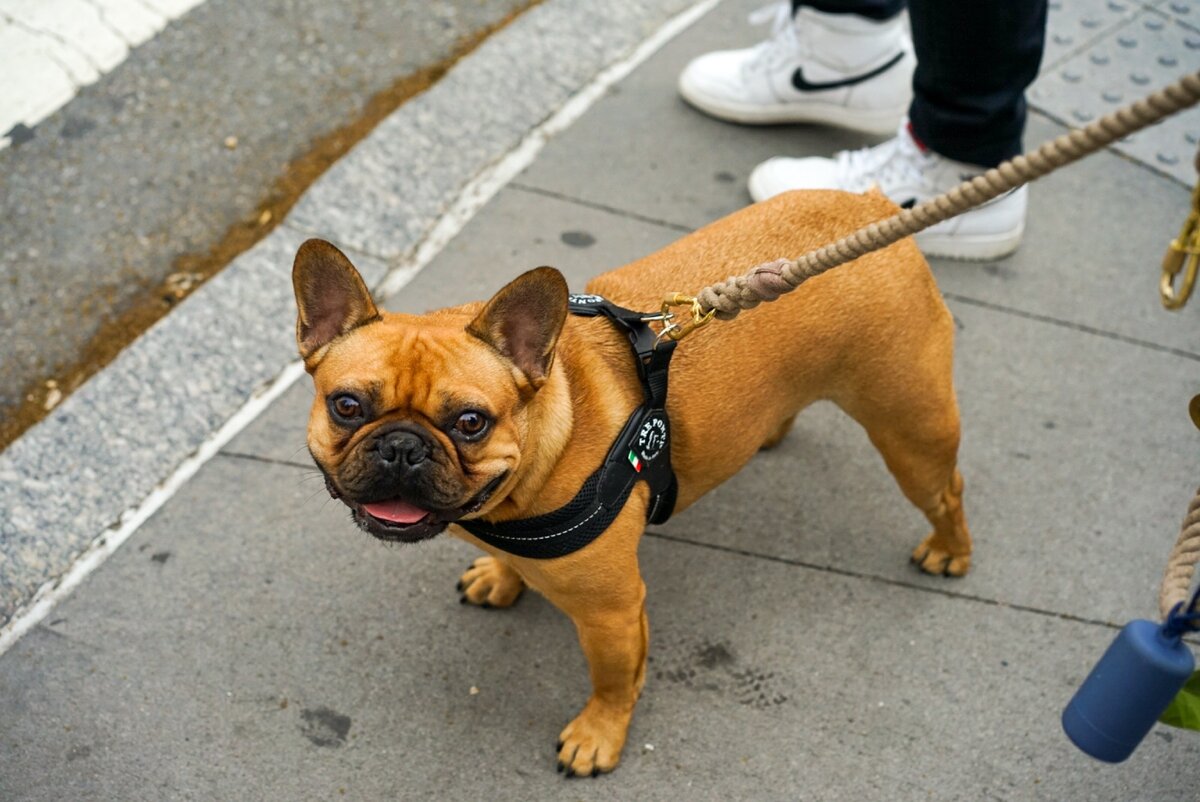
(768, 281)
(1181, 565)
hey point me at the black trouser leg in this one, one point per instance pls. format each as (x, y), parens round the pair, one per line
(872, 9)
(974, 60)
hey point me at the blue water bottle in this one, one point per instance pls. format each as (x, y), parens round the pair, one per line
(1143, 670)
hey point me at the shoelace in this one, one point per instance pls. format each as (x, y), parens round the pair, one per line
(895, 163)
(778, 14)
(782, 39)
(898, 163)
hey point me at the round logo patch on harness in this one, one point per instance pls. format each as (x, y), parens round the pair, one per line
(584, 299)
(651, 438)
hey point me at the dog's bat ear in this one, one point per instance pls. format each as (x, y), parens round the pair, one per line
(523, 321)
(330, 295)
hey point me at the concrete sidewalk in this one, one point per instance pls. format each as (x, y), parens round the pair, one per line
(248, 643)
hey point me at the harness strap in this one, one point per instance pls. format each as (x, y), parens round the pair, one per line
(641, 452)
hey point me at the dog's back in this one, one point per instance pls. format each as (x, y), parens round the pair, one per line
(873, 335)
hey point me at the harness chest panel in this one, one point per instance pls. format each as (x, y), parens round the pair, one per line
(641, 452)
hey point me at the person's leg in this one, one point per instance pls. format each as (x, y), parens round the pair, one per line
(846, 63)
(871, 9)
(974, 61)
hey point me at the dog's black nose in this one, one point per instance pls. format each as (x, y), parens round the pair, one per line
(402, 449)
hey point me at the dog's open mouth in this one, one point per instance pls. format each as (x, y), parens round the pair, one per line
(398, 520)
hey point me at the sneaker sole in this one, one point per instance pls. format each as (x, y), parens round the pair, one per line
(879, 123)
(758, 192)
(970, 247)
(960, 247)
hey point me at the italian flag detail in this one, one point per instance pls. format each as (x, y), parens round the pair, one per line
(635, 462)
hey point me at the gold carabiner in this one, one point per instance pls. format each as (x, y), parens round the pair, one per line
(1183, 250)
(677, 331)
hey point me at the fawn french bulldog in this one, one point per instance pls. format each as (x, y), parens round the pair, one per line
(501, 410)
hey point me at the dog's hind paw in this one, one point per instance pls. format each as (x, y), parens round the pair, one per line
(935, 560)
(490, 583)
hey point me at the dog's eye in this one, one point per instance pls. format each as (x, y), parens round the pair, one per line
(346, 408)
(471, 424)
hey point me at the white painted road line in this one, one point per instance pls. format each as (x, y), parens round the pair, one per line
(50, 49)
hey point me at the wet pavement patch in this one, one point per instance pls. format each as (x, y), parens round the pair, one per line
(325, 727)
(578, 239)
(19, 134)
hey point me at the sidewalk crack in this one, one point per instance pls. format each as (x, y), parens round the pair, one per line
(104, 20)
(267, 460)
(844, 572)
(549, 193)
(72, 639)
(153, 10)
(1067, 324)
(40, 33)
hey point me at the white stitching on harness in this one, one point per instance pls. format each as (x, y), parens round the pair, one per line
(547, 537)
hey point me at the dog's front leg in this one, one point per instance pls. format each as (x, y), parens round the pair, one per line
(490, 582)
(614, 640)
(600, 588)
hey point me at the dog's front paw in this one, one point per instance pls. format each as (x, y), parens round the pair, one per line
(490, 583)
(934, 558)
(591, 744)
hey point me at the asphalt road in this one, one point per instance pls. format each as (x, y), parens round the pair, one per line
(145, 172)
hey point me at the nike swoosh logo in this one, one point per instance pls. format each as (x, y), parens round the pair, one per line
(803, 85)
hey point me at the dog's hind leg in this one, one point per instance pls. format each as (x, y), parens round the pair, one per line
(946, 550)
(914, 424)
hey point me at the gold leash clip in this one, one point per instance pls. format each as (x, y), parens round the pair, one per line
(677, 331)
(1183, 250)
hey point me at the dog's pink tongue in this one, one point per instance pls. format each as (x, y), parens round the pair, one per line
(396, 511)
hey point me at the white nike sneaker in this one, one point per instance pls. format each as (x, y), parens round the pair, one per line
(837, 69)
(909, 174)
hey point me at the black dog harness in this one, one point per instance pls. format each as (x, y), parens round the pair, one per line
(641, 452)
